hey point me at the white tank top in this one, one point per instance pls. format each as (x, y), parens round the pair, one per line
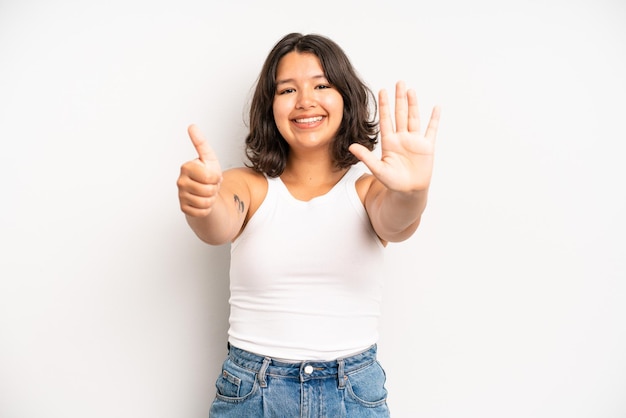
(305, 277)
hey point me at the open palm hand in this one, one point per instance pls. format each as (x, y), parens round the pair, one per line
(406, 161)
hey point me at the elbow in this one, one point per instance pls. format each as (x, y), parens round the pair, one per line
(213, 241)
(400, 234)
(208, 234)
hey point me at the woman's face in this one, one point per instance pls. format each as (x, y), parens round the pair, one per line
(307, 109)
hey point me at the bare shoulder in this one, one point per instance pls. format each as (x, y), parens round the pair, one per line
(242, 173)
(245, 176)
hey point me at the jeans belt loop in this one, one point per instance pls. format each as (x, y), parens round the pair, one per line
(341, 377)
(261, 375)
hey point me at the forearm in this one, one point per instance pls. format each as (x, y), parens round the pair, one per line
(221, 225)
(396, 215)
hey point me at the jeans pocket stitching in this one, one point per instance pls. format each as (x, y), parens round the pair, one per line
(355, 397)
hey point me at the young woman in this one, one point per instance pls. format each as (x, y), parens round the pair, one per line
(307, 227)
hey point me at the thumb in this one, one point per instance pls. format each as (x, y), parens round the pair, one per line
(204, 150)
(366, 156)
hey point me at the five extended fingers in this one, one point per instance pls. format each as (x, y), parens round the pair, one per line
(407, 117)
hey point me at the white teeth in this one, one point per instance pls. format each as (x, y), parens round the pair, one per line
(309, 120)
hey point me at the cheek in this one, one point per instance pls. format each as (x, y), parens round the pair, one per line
(335, 107)
(281, 119)
(335, 103)
(278, 108)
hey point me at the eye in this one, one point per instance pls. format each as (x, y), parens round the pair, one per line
(323, 86)
(286, 91)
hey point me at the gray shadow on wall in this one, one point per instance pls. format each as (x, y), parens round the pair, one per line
(207, 269)
(217, 293)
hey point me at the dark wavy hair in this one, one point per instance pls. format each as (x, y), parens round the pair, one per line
(266, 149)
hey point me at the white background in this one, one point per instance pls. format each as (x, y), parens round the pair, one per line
(510, 301)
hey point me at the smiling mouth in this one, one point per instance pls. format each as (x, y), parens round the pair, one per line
(309, 120)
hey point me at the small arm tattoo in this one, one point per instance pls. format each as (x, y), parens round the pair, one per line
(239, 203)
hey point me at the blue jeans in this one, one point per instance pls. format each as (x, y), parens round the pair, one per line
(253, 386)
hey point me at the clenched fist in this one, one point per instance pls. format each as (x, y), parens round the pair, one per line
(200, 179)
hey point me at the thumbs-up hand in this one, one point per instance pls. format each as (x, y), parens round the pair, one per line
(200, 179)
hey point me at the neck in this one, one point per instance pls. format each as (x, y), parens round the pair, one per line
(311, 172)
(306, 180)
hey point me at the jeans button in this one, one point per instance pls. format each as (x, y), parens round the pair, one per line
(308, 369)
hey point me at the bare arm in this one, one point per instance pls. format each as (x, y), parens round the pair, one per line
(215, 203)
(395, 216)
(397, 195)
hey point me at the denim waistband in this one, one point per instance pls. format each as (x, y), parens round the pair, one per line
(305, 369)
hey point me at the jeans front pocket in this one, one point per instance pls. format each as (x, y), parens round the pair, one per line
(366, 386)
(235, 384)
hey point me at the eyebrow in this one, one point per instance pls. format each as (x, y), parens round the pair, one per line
(291, 80)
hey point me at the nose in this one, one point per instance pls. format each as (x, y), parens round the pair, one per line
(306, 99)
